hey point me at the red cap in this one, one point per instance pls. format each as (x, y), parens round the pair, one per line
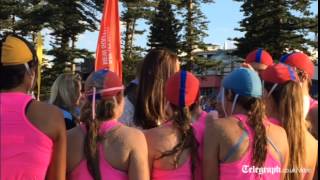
(106, 82)
(301, 61)
(259, 56)
(112, 85)
(279, 74)
(182, 89)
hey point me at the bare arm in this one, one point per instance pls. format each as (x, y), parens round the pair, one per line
(211, 151)
(57, 167)
(138, 165)
(314, 159)
(313, 118)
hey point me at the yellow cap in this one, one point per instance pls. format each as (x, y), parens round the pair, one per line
(15, 51)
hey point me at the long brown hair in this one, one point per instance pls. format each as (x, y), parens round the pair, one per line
(182, 121)
(289, 102)
(105, 110)
(157, 67)
(256, 114)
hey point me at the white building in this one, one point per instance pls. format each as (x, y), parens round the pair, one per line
(228, 61)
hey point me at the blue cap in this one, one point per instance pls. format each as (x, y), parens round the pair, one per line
(244, 82)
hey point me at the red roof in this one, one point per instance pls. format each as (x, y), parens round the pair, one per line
(210, 81)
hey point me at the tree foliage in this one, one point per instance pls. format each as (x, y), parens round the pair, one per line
(278, 26)
(165, 28)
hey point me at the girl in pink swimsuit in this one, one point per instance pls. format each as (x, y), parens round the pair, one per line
(284, 101)
(243, 145)
(33, 144)
(173, 147)
(101, 148)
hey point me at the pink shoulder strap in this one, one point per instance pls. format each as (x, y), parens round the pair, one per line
(104, 127)
(108, 125)
(244, 120)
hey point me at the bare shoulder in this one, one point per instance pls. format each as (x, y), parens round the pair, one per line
(152, 133)
(278, 131)
(311, 150)
(47, 112)
(216, 125)
(134, 137)
(47, 118)
(312, 142)
(74, 136)
(279, 137)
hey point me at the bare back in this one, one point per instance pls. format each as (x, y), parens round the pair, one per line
(311, 156)
(124, 149)
(222, 135)
(161, 140)
(232, 129)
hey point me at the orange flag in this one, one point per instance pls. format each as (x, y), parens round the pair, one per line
(108, 55)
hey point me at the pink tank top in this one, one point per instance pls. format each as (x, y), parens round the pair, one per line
(313, 103)
(81, 171)
(181, 173)
(199, 129)
(274, 121)
(242, 169)
(25, 150)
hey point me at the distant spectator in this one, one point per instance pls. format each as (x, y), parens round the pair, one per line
(131, 93)
(66, 94)
(259, 59)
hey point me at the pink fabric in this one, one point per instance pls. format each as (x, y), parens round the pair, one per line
(107, 171)
(25, 150)
(199, 129)
(274, 121)
(181, 173)
(237, 169)
(313, 103)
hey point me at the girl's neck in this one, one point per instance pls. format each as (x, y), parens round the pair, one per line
(272, 112)
(239, 110)
(196, 114)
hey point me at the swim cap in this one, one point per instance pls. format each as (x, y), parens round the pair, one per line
(300, 61)
(106, 83)
(182, 89)
(15, 51)
(244, 82)
(279, 74)
(259, 56)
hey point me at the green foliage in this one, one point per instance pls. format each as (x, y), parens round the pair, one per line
(278, 26)
(195, 28)
(66, 20)
(165, 28)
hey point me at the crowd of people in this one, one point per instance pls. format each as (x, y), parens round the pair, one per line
(263, 126)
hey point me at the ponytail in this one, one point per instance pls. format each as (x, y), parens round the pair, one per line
(289, 100)
(104, 111)
(182, 121)
(256, 115)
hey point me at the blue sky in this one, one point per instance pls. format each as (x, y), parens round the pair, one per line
(224, 17)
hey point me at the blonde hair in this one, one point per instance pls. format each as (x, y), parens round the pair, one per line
(289, 100)
(65, 91)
